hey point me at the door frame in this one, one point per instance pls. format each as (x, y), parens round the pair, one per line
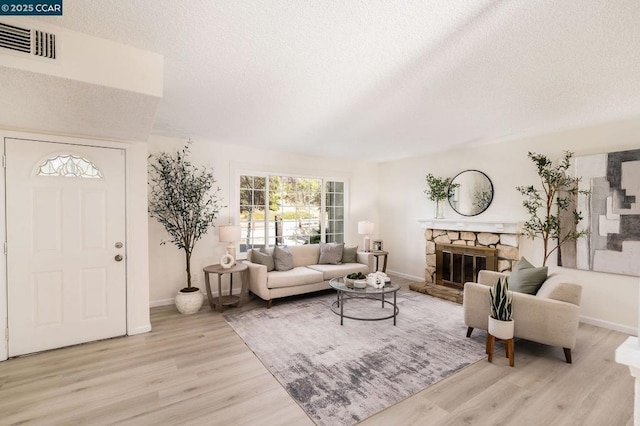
(136, 222)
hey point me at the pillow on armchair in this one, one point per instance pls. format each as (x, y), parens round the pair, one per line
(525, 278)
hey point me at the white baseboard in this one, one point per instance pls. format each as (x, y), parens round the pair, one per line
(140, 329)
(407, 276)
(609, 325)
(161, 302)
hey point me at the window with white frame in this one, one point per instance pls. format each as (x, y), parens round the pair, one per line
(290, 210)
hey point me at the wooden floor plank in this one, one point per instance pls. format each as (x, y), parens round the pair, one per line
(195, 370)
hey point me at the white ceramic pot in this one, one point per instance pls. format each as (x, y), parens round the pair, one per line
(501, 329)
(189, 303)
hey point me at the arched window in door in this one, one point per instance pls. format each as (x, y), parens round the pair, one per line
(68, 165)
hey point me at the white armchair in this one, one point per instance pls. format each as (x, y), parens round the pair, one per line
(550, 317)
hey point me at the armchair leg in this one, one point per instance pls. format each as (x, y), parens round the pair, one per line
(469, 331)
(269, 303)
(567, 355)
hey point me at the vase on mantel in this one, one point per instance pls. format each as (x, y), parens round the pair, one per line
(438, 212)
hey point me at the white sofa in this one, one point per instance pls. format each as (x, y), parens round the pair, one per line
(550, 317)
(306, 276)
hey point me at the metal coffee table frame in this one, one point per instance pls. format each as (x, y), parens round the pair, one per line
(366, 293)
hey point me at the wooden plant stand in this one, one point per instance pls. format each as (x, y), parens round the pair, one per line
(491, 341)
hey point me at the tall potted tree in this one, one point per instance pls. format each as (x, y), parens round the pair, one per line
(184, 200)
(557, 189)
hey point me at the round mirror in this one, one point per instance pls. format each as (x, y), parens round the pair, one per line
(471, 193)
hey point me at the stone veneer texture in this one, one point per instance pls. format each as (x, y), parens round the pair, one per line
(506, 244)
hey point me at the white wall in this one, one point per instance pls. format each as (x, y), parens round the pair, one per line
(166, 262)
(609, 300)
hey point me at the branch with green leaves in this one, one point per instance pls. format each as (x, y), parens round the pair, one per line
(438, 188)
(558, 189)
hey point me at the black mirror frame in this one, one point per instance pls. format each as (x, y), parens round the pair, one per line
(453, 181)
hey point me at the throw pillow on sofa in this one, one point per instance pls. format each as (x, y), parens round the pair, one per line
(283, 258)
(331, 253)
(263, 258)
(525, 278)
(350, 254)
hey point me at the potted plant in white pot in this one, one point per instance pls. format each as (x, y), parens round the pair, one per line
(501, 325)
(184, 200)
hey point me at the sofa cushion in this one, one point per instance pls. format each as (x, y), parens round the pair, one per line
(305, 254)
(350, 254)
(263, 258)
(282, 258)
(300, 275)
(335, 271)
(525, 278)
(330, 253)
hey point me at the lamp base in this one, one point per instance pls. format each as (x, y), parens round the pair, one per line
(366, 244)
(227, 261)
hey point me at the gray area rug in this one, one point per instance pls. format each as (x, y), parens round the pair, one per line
(341, 375)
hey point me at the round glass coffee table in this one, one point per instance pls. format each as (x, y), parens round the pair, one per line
(346, 293)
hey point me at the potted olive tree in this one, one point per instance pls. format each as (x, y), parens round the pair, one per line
(184, 200)
(555, 197)
(500, 323)
(438, 189)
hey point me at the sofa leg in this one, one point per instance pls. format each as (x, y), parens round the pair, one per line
(469, 331)
(567, 355)
(269, 303)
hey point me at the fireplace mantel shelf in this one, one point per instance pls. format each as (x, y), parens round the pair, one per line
(498, 227)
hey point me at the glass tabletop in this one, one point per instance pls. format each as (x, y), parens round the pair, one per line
(339, 284)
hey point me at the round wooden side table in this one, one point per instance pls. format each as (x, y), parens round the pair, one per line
(230, 299)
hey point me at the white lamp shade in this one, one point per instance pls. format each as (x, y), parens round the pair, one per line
(229, 233)
(365, 227)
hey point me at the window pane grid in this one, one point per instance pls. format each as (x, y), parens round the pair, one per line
(289, 213)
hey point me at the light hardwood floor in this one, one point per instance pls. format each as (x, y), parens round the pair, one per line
(195, 370)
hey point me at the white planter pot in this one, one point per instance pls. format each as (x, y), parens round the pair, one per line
(189, 303)
(501, 329)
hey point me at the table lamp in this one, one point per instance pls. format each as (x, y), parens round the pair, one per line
(229, 234)
(365, 228)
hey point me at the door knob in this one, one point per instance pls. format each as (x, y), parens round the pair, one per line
(118, 258)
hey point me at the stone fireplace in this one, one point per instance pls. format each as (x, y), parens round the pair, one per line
(501, 237)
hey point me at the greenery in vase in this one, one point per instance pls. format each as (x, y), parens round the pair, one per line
(438, 188)
(183, 199)
(501, 301)
(557, 189)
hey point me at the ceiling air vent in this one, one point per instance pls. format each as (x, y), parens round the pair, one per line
(29, 41)
(44, 44)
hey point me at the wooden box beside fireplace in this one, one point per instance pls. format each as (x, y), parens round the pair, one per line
(458, 264)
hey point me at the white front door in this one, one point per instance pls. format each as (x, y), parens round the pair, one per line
(65, 244)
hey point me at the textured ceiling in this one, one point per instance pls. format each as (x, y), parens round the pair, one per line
(378, 80)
